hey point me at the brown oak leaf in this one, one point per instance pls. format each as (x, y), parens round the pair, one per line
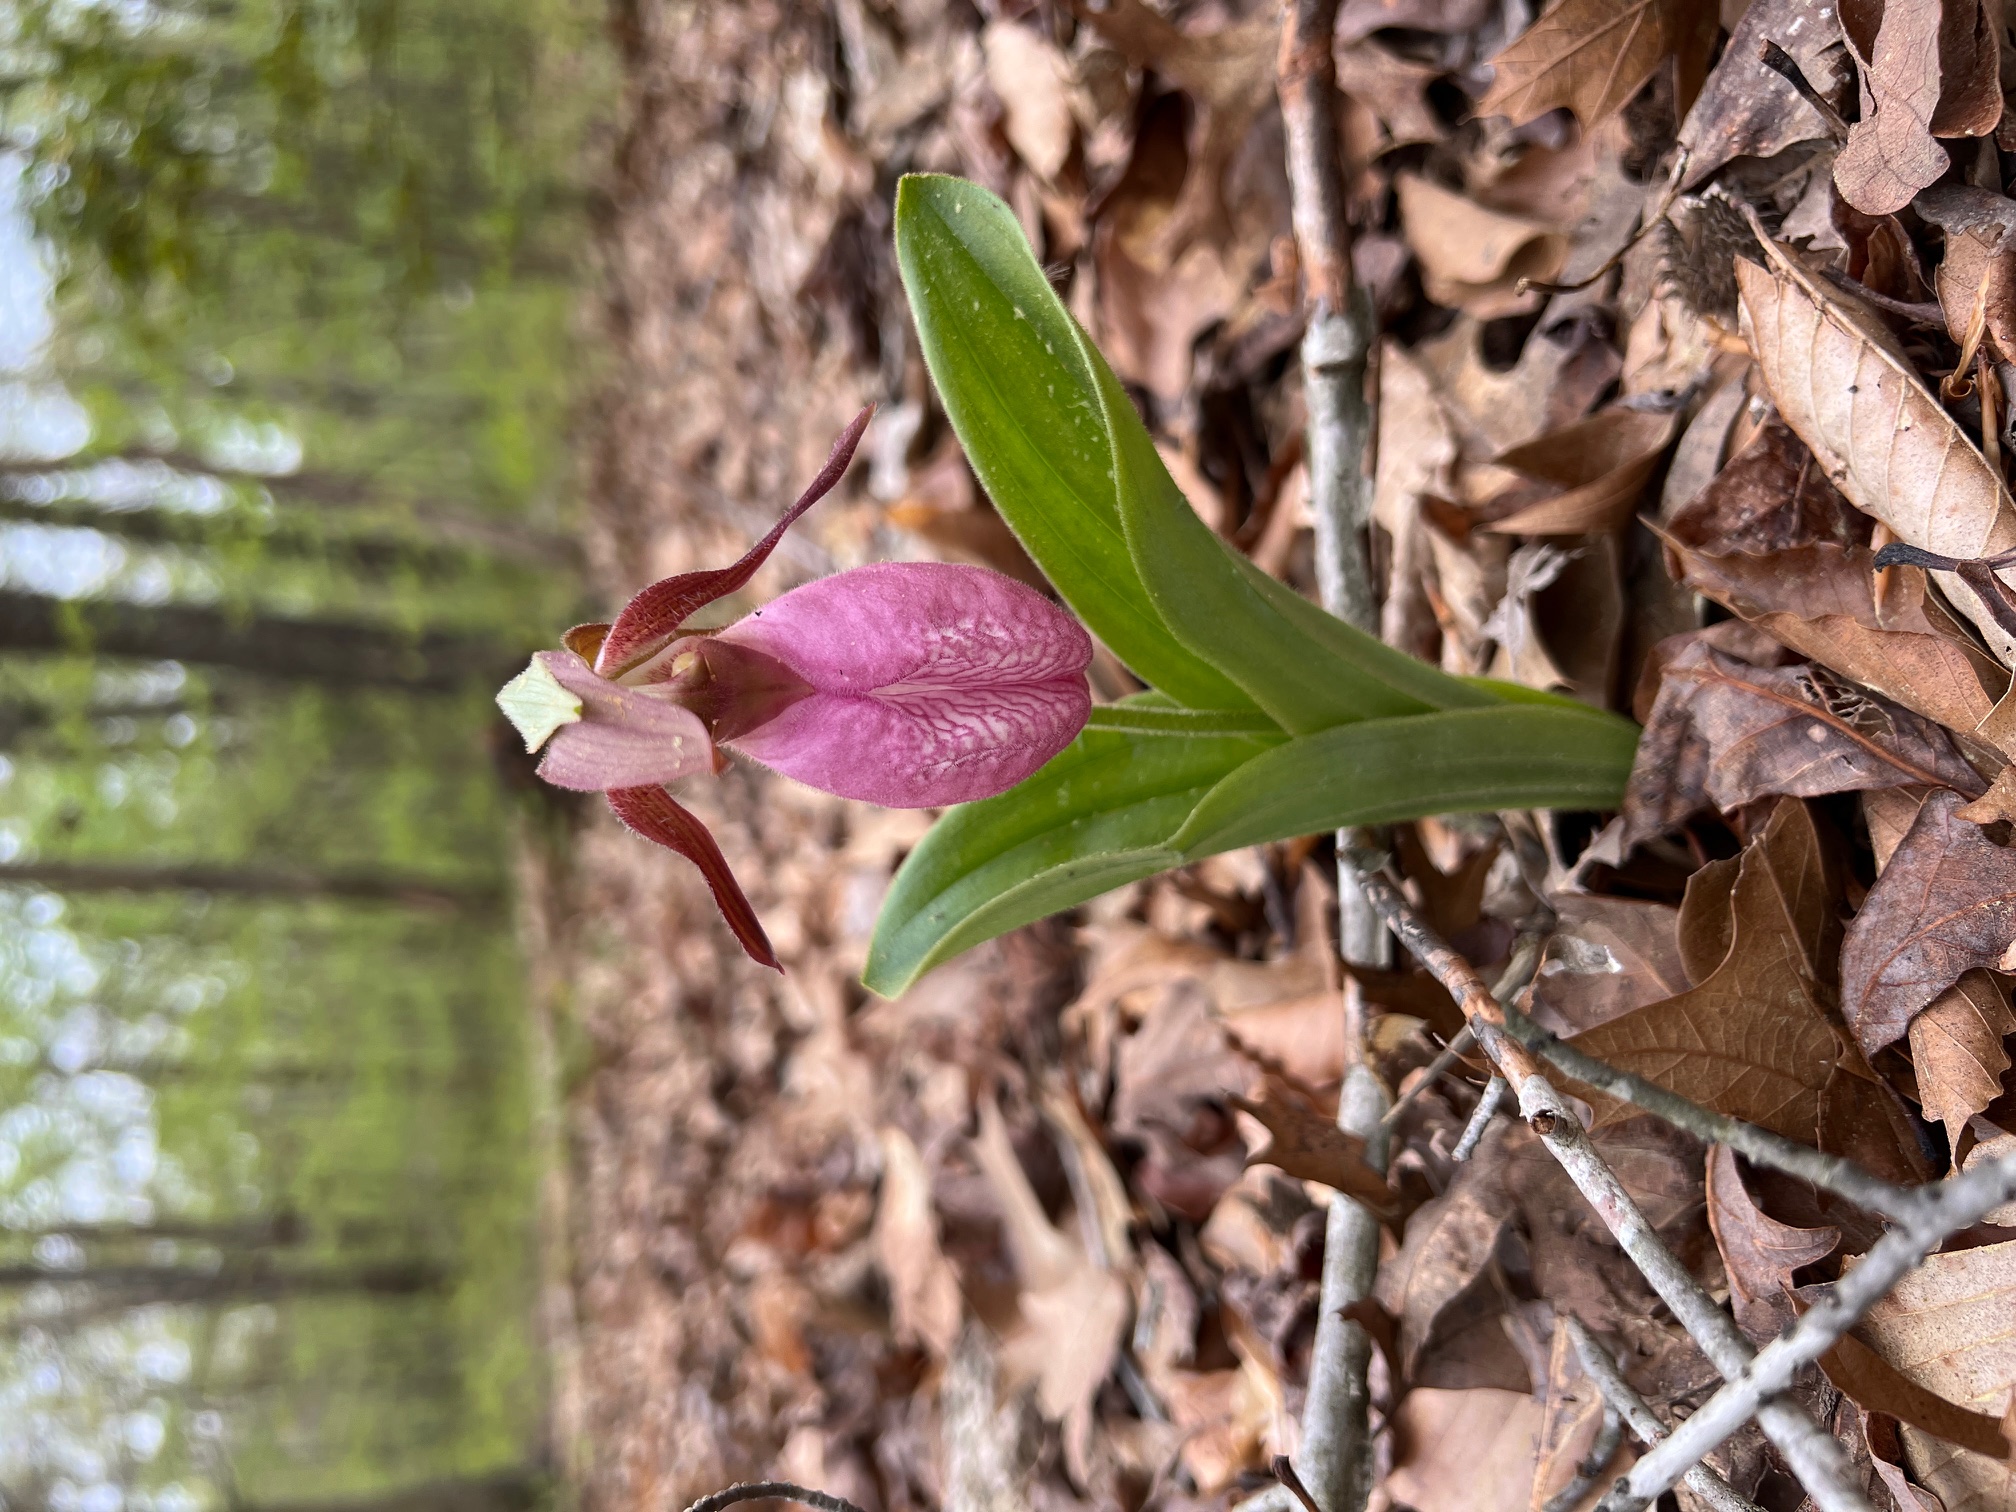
(1944, 905)
(1310, 1147)
(1758, 1252)
(1753, 1040)
(1592, 56)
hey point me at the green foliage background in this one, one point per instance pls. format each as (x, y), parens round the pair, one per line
(267, 1172)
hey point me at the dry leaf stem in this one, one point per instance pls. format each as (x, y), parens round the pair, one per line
(1959, 1203)
(1600, 1368)
(1811, 1452)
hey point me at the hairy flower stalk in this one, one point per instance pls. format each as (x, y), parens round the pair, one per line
(907, 684)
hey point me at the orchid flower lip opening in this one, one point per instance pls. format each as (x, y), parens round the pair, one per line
(905, 684)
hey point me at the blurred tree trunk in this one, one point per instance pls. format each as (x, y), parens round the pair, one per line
(343, 653)
(251, 881)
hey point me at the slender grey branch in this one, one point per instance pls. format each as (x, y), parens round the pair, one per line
(1602, 1450)
(1480, 1119)
(1335, 1459)
(1833, 1173)
(1958, 1204)
(1717, 1493)
(1808, 1448)
(1518, 972)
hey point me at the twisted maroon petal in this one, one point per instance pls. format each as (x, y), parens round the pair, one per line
(651, 619)
(651, 812)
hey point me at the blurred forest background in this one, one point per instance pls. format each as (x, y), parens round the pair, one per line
(290, 348)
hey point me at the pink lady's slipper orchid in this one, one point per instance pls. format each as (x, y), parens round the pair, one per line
(908, 684)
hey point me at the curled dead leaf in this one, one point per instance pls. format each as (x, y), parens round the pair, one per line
(1727, 733)
(1890, 155)
(1759, 1253)
(1843, 384)
(1958, 1053)
(1602, 463)
(1945, 904)
(1473, 258)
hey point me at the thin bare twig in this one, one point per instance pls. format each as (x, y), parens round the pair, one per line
(1480, 1119)
(825, 1501)
(1518, 972)
(1602, 1449)
(1783, 64)
(1808, 1448)
(1958, 1204)
(1834, 1173)
(1600, 1368)
(1335, 1459)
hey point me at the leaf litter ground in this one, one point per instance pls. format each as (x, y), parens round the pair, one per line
(1046, 1231)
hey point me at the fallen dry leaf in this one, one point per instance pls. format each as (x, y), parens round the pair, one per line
(1844, 385)
(1607, 957)
(1724, 732)
(923, 1290)
(1229, 76)
(1979, 268)
(1073, 1313)
(1592, 55)
(1464, 1451)
(1602, 464)
(1032, 79)
(1944, 905)
(1759, 1253)
(1865, 1378)
(1957, 1050)
(1890, 155)
(1747, 110)
(1311, 1147)
(1752, 1040)
(1473, 258)
(1950, 1327)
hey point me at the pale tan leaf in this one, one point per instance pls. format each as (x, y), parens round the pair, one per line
(1844, 386)
(1950, 1327)
(1073, 1312)
(1464, 1451)
(1593, 55)
(1957, 1050)
(923, 1291)
(1032, 79)
(1890, 154)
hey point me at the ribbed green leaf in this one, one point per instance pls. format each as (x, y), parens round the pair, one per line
(1307, 669)
(1096, 817)
(1384, 770)
(1010, 368)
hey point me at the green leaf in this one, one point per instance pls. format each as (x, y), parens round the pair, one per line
(1123, 803)
(1380, 771)
(1096, 817)
(1139, 718)
(1009, 364)
(1306, 668)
